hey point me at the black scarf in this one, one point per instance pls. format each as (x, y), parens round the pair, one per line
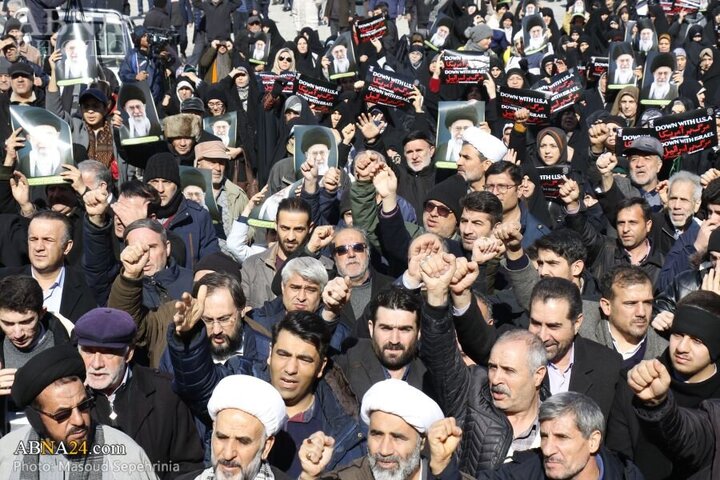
(172, 207)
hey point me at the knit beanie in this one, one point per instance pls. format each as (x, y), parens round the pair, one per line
(220, 263)
(479, 32)
(714, 242)
(449, 192)
(699, 323)
(162, 165)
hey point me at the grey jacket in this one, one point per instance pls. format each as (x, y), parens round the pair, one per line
(258, 272)
(598, 331)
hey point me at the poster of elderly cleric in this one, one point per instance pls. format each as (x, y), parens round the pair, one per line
(464, 67)
(316, 145)
(534, 33)
(387, 88)
(657, 87)
(48, 144)
(264, 215)
(621, 66)
(78, 63)
(140, 119)
(224, 127)
(453, 119)
(196, 184)
(341, 58)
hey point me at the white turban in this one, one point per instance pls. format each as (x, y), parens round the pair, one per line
(251, 395)
(491, 147)
(399, 398)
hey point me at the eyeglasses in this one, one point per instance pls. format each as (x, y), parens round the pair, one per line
(442, 210)
(215, 104)
(222, 321)
(285, 59)
(499, 188)
(341, 250)
(63, 414)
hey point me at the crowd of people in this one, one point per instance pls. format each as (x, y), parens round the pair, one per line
(383, 317)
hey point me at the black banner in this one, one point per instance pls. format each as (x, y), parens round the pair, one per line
(566, 89)
(368, 29)
(552, 178)
(319, 93)
(687, 132)
(464, 67)
(511, 100)
(598, 66)
(387, 88)
(268, 79)
(625, 137)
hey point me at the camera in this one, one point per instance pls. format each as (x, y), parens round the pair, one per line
(159, 39)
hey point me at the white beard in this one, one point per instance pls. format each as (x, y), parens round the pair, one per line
(536, 43)
(624, 77)
(225, 139)
(453, 152)
(437, 40)
(139, 128)
(77, 69)
(258, 54)
(44, 166)
(659, 91)
(341, 66)
(645, 45)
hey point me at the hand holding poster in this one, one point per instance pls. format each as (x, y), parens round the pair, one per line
(511, 100)
(461, 67)
(140, 119)
(368, 29)
(321, 95)
(317, 146)
(598, 66)
(260, 49)
(384, 87)
(48, 144)
(78, 63)
(268, 80)
(551, 179)
(264, 215)
(566, 89)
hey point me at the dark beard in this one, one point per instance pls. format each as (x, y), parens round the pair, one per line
(232, 344)
(396, 363)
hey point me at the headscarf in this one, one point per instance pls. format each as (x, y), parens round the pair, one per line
(560, 139)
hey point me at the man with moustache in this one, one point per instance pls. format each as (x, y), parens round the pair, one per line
(624, 73)
(50, 388)
(161, 423)
(133, 102)
(391, 351)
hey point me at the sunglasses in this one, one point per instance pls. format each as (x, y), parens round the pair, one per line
(242, 74)
(65, 413)
(442, 210)
(341, 250)
(284, 59)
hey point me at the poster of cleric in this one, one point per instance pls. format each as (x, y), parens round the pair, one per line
(78, 63)
(224, 127)
(317, 146)
(48, 144)
(140, 119)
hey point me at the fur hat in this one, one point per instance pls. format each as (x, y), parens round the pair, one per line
(182, 125)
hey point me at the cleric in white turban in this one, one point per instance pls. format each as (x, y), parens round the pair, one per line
(488, 145)
(400, 398)
(251, 395)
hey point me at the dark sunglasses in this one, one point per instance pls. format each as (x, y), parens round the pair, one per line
(341, 250)
(242, 74)
(65, 413)
(285, 59)
(442, 210)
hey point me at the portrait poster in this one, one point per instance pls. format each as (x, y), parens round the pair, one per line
(260, 49)
(657, 87)
(264, 215)
(440, 33)
(78, 63)
(318, 146)
(224, 127)
(454, 117)
(196, 184)
(342, 58)
(140, 118)
(534, 33)
(48, 144)
(621, 66)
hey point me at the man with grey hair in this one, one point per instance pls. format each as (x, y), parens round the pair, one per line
(497, 407)
(571, 428)
(305, 287)
(96, 176)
